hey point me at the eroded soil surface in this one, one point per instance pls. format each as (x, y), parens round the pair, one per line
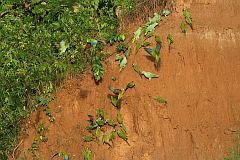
(200, 79)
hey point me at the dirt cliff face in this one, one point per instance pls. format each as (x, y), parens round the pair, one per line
(200, 79)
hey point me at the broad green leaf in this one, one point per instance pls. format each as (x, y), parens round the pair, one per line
(88, 154)
(137, 34)
(114, 101)
(160, 100)
(149, 75)
(166, 12)
(121, 37)
(88, 138)
(119, 117)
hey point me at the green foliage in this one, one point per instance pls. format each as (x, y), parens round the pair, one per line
(235, 152)
(41, 42)
(122, 47)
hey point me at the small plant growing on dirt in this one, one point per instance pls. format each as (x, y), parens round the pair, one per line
(155, 53)
(88, 155)
(160, 100)
(188, 18)
(97, 67)
(119, 93)
(170, 41)
(147, 75)
(44, 99)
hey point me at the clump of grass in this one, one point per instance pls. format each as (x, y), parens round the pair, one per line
(42, 42)
(235, 152)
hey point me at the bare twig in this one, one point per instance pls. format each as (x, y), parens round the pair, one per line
(15, 149)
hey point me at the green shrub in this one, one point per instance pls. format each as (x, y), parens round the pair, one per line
(40, 43)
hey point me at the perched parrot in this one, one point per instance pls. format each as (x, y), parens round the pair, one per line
(155, 52)
(113, 90)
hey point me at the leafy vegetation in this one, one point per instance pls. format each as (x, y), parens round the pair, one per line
(41, 41)
(235, 153)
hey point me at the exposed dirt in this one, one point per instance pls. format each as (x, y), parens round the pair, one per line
(200, 79)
